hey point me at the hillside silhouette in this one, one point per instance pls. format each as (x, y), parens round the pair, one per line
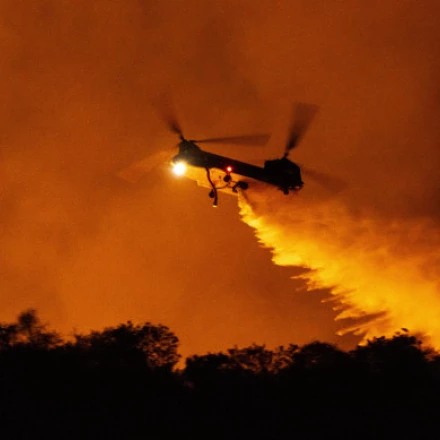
(123, 383)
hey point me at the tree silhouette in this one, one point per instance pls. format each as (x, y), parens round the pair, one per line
(121, 383)
(399, 391)
(319, 355)
(255, 359)
(154, 346)
(391, 356)
(33, 332)
(28, 331)
(8, 335)
(252, 360)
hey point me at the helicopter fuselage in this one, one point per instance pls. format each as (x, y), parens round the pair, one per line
(282, 173)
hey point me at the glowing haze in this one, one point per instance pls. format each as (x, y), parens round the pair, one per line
(87, 249)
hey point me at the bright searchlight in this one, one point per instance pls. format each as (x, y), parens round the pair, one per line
(179, 168)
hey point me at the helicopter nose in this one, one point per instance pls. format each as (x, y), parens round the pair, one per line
(175, 159)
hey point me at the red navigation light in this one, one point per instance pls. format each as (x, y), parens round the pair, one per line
(228, 169)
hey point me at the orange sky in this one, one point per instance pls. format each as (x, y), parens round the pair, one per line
(77, 82)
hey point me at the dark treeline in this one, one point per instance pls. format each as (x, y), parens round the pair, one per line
(122, 383)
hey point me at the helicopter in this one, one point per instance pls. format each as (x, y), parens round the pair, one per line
(236, 175)
(221, 173)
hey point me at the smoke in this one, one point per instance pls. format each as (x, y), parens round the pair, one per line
(383, 274)
(77, 82)
(77, 243)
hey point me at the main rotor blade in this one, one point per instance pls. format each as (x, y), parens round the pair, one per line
(331, 183)
(134, 172)
(302, 118)
(251, 139)
(173, 124)
(167, 112)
